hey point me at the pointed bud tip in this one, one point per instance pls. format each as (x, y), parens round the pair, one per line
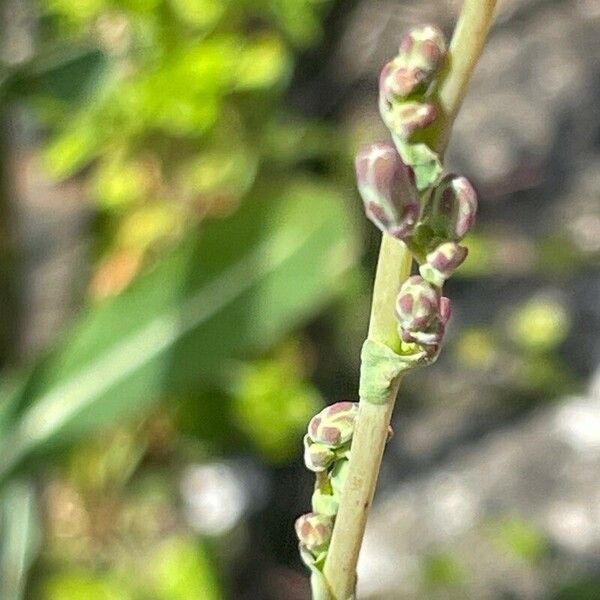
(388, 190)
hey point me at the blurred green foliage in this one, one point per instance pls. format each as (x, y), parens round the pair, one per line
(444, 570)
(171, 115)
(520, 539)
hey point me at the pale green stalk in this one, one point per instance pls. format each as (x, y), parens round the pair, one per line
(393, 268)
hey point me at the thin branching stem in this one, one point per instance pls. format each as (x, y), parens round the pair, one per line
(393, 268)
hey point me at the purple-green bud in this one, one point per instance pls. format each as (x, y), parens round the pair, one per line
(404, 118)
(317, 457)
(453, 208)
(333, 426)
(418, 304)
(442, 262)
(387, 187)
(421, 53)
(314, 531)
(422, 314)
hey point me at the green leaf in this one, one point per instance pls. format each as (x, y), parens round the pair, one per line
(229, 291)
(68, 74)
(19, 538)
(83, 585)
(182, 570)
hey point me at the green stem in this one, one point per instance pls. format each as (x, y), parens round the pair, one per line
(393, 268)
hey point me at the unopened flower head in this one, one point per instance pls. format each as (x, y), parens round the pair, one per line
(422, 51)
(453, 208)
(431, 336)
(442, 262)
(314, 531)
(387, 187)
(418, 304)
(333, 426)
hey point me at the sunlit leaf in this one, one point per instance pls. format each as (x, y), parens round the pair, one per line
(232, 289)
(19, 538)
(183, 571)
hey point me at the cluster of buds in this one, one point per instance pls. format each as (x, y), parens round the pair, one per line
(326, 452)
(329, 435)
(405, 195)
(422, 314)
(447, 218)
(405, 80)
(314, 532)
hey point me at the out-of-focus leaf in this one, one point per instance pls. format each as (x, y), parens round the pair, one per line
(182, 571)
(234, 288)
(262, 64)
(64, 73)
(19, 537)
(273, 404)
(444, 570)
(521, 539)
(81, 585)
(202, 14)
(540, 325)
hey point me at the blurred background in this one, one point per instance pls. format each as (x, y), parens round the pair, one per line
(185, 280)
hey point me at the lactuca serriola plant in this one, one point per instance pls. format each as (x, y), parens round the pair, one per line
(407, 196)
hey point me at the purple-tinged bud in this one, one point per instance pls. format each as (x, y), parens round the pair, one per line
(431, 337)
(404, 118)
(418, 304)
(442, 262)
(333, 426)
(445, 310)
(387, 187)
(453, 208)
(317, 457)
(421, 53)
(314, 531)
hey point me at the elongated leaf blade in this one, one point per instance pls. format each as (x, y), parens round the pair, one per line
(19, 537)
(230, 290)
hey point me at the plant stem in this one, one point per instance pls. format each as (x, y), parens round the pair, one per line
(395, 260)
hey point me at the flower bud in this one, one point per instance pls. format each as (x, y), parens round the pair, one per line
(404, 118)
(387, 187)
(314, 531)
(333, 426)
(317, 457)
(418, 305)
(431, 337)
(421, 53)
(442, 262)
(453, 208)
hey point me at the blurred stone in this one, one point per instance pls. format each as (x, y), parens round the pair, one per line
(540, 474)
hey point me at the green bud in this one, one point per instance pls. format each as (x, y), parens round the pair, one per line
(317, 457)
(387, 187)
(333, 426)
(422, 51)
(314, 531)
(453, 208)
(442, 262)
